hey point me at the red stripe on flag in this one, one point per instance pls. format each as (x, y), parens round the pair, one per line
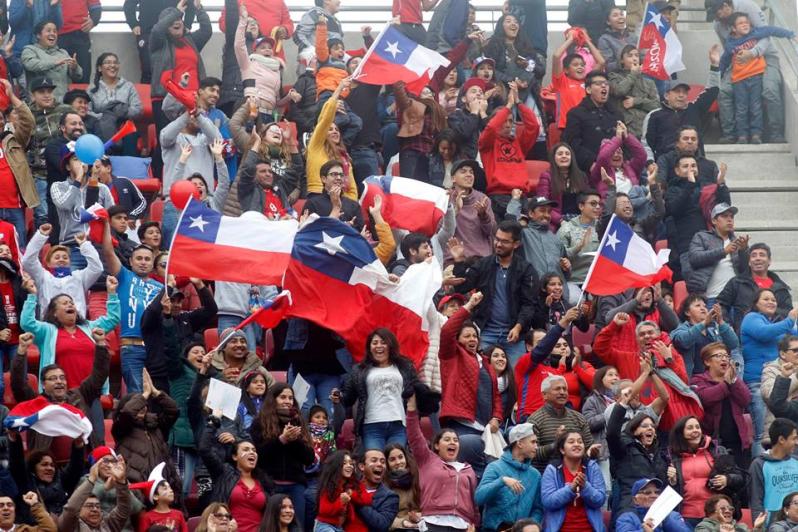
(610, 278)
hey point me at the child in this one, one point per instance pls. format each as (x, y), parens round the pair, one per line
(634, 94)
(339, 492)
(568, 75)
(260, 70)
(160, 494)
(747, 73)
(253, 391)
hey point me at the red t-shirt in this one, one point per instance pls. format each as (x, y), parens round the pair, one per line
(247, 506)
(9, 191)
(570, 92)
(409, 11)
(7, 300)
(75, 354)
(272, 206)
(75, 13)
(186, 61)
(575, 514)
(171, 519)
(763, 282)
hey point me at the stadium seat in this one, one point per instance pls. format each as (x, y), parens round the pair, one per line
(211, 338)
(156, 210)
(33, 356)
(193, 522)
(533, 171)
(679, 294)
(746, 518)
(280, 376)
(346, 440)
(8, 395)
(139, 170)
(552, 135)
(298, 205)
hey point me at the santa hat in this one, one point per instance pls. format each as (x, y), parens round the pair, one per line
(150, 487)
(99, 453)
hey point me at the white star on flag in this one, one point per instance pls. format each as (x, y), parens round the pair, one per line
(393, 49)
(657, 20)
(331, 245)
(198, 222)
(612, 240)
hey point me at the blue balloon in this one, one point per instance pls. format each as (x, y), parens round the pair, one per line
(89, 148)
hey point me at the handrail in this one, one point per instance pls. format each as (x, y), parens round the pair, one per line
(777, 18)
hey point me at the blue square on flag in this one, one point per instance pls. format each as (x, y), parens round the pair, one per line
(333, 248)
(395, 47)
(619, 235)
(200, 223)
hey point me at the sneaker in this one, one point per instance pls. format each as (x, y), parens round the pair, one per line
(727, 139)
(756, 139)
(742, 140)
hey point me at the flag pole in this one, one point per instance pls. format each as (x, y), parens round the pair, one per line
(368, 53)
(595, 257)
(640, 35)
(172, 243)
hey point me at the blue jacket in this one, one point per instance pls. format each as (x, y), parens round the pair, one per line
(632, 521)
(556, 495)
(502, 505)
(689, 340)
(760, 338)
(379, 515)
(756, 34)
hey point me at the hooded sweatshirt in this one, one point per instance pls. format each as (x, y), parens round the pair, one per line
(262, 71)
(504, 157)
(771, 480)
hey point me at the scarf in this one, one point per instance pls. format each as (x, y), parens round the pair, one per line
(323, 444)
(272, 63)
(401, 478)
(62, 271)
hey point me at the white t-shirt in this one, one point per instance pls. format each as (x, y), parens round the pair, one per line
(722, 274)
(385, 387)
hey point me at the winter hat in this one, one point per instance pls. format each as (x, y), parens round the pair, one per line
(150, 487)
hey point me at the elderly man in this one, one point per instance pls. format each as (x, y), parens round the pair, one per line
(554, 419)
(83, 511)
(233, 359)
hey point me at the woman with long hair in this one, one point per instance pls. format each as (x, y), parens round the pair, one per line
(403, 480)
(760, 332)
(785, 519)
(283, 444)
(253, 394)
(512, 52)
(420, 120)
(573, 492)
(593, 408)
(113, 96)
(279, 515)
(497, 358)
(562, 182)
(692, 470)
(445, 151)
(340, 493)
(380, 385)
(217, 518)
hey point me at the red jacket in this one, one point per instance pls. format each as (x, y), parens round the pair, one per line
(460, 374)
(503, 158)
(269, 14)
(340, 515)
(531, 399)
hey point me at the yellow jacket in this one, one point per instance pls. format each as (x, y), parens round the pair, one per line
(317, 156)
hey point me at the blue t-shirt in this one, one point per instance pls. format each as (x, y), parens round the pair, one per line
(780, 479)
(135, 293)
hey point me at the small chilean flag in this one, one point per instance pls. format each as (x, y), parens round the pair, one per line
(94, 216)
(50, 419)
(664, 49)
(249, 249)
(271, 313)
(406, 203)
(625, 260)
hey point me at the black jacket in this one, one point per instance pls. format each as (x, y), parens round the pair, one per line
(282, 462)
(522, 287)
(737, 298)
(379, 515)
(224, 474)
(591, 15)
(148, 11)
(187, 325)
(356, 390)
(321, 204)
(467, 126)
(666, 162)
(682, 203)
(586, 126)
(251, 195)
(629, 460)
(128, 195)
(706, 251)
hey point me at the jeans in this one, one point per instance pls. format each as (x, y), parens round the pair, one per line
(40, 212)
(378, 435)
(757, 416)
(748, 106)
(365, 163)
(414, 32)
(492, 335)
(133, 358)
(414, 164)
(225, 321)
(16, 217)
(771, 97)
(325, 527)
(79, 43)
(295, 492)
(390, 144)
(76, 259)
(321, 386)
(169, 221)
(726, 110)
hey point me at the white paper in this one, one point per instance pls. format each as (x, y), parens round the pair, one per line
(664, 505)
(301, 389)
(224, 397)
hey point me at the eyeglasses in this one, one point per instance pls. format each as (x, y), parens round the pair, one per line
(335, 174)
(600, 83)
(56, 378)
(221, 515)
(720, 356)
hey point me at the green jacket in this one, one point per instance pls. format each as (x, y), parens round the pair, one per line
(181, 381)
(46, 128)
(40, 62)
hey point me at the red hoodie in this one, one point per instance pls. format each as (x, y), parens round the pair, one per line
(502, 157)
(336, 513)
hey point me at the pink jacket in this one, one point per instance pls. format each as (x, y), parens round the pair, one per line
(267, 81)
(444, 490)
(632, 167)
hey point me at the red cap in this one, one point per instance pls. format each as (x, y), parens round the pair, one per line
(474, 82)
(445, 299)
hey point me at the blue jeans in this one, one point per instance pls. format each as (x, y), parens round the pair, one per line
(757, 416)
(492, 335)
(748, 106)
(365, 163)
(325, 527)
(169, 222)
(295, 492)
(226, 321)
(321, 386)
(40, 212)
(133, 358)
(76, 259)
(16, 217)
(414, 164)
(390, 144)
(378, 435)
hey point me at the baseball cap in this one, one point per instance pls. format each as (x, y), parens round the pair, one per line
(672, 84)
(261, 40)
(720, 208)
(99, 453)
(41, 83)
(663, 5)
(519, 432)
(483, 59)
(474, 165)
(643, 482)
(445, 300)
(540, 201)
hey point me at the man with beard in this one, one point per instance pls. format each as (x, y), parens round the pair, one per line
(475, 224)
(592, 121)
(71, 127)
(56, 389)
(379, 515)
(509, 284)
(233, 359)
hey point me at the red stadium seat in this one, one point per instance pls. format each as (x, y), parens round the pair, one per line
(346, 439)
(280, 376)
(8, 395)
(553, 135)
(193, 522)
(679, 293)
(33, 356)
(746, 518)
(109, 438)
(211, 338)
(533, 171)
(156, 210)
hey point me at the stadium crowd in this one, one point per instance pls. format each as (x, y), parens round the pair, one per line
(537, 406)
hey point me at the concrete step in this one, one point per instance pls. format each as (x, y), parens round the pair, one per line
(770, 205)
(714, 150)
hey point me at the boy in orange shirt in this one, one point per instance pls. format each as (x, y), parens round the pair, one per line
(568, 76)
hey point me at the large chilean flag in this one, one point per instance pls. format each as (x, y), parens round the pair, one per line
(406, 203)
(625, 260)
(337, 281)
(248, 249)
